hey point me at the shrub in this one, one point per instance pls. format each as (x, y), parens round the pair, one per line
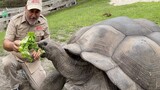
(13, 3)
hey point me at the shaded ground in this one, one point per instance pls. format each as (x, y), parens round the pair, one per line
(4, 83)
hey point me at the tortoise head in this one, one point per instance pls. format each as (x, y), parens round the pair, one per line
(50, 47)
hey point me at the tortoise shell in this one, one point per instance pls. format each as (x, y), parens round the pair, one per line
(126, 49)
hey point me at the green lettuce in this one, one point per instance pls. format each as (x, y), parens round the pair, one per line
(27, 45)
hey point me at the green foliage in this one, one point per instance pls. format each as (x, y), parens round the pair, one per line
(12, 3)
(1, 3)
(27, 45)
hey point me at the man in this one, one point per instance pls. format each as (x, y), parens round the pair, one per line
(29, 21)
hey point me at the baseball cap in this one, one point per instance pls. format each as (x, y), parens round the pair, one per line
(34, 4)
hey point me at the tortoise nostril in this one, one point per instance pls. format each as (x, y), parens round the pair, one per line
(39, 44)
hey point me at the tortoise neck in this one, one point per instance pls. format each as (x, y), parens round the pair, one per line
(69, 67)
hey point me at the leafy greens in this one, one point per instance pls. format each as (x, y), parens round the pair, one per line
(27, 45)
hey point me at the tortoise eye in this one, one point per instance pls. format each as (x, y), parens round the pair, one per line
(45, 43)
(42, 44)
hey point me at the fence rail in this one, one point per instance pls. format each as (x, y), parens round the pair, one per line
(48, 7)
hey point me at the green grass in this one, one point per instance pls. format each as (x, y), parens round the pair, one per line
(1, 42)
(64, 22)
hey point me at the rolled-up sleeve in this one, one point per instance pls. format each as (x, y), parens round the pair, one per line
(11, 31)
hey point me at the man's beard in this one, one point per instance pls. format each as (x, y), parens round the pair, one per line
(31, 22)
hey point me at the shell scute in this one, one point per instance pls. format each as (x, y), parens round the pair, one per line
(102, 39)
(138, 57)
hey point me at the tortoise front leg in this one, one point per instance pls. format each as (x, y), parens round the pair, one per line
(54, 81)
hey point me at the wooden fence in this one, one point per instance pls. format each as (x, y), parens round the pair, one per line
(48, 7)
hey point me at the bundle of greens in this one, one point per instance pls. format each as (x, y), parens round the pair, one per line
(27, 45)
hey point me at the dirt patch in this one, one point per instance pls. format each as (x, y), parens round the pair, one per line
(4, 83)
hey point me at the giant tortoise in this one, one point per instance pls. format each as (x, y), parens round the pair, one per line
(116, 54)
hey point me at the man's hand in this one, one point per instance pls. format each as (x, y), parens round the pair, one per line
(16, 45)
(11, 45)
(36, 55)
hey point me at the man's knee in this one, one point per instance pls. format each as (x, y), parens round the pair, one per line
(8, 63)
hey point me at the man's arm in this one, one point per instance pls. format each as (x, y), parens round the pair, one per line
(11, 45)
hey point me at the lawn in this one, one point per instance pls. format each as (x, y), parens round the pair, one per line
(1, 41)
(64, 22)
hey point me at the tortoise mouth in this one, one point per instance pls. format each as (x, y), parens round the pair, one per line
(43, 55)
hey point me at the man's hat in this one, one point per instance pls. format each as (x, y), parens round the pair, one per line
(34, 4)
